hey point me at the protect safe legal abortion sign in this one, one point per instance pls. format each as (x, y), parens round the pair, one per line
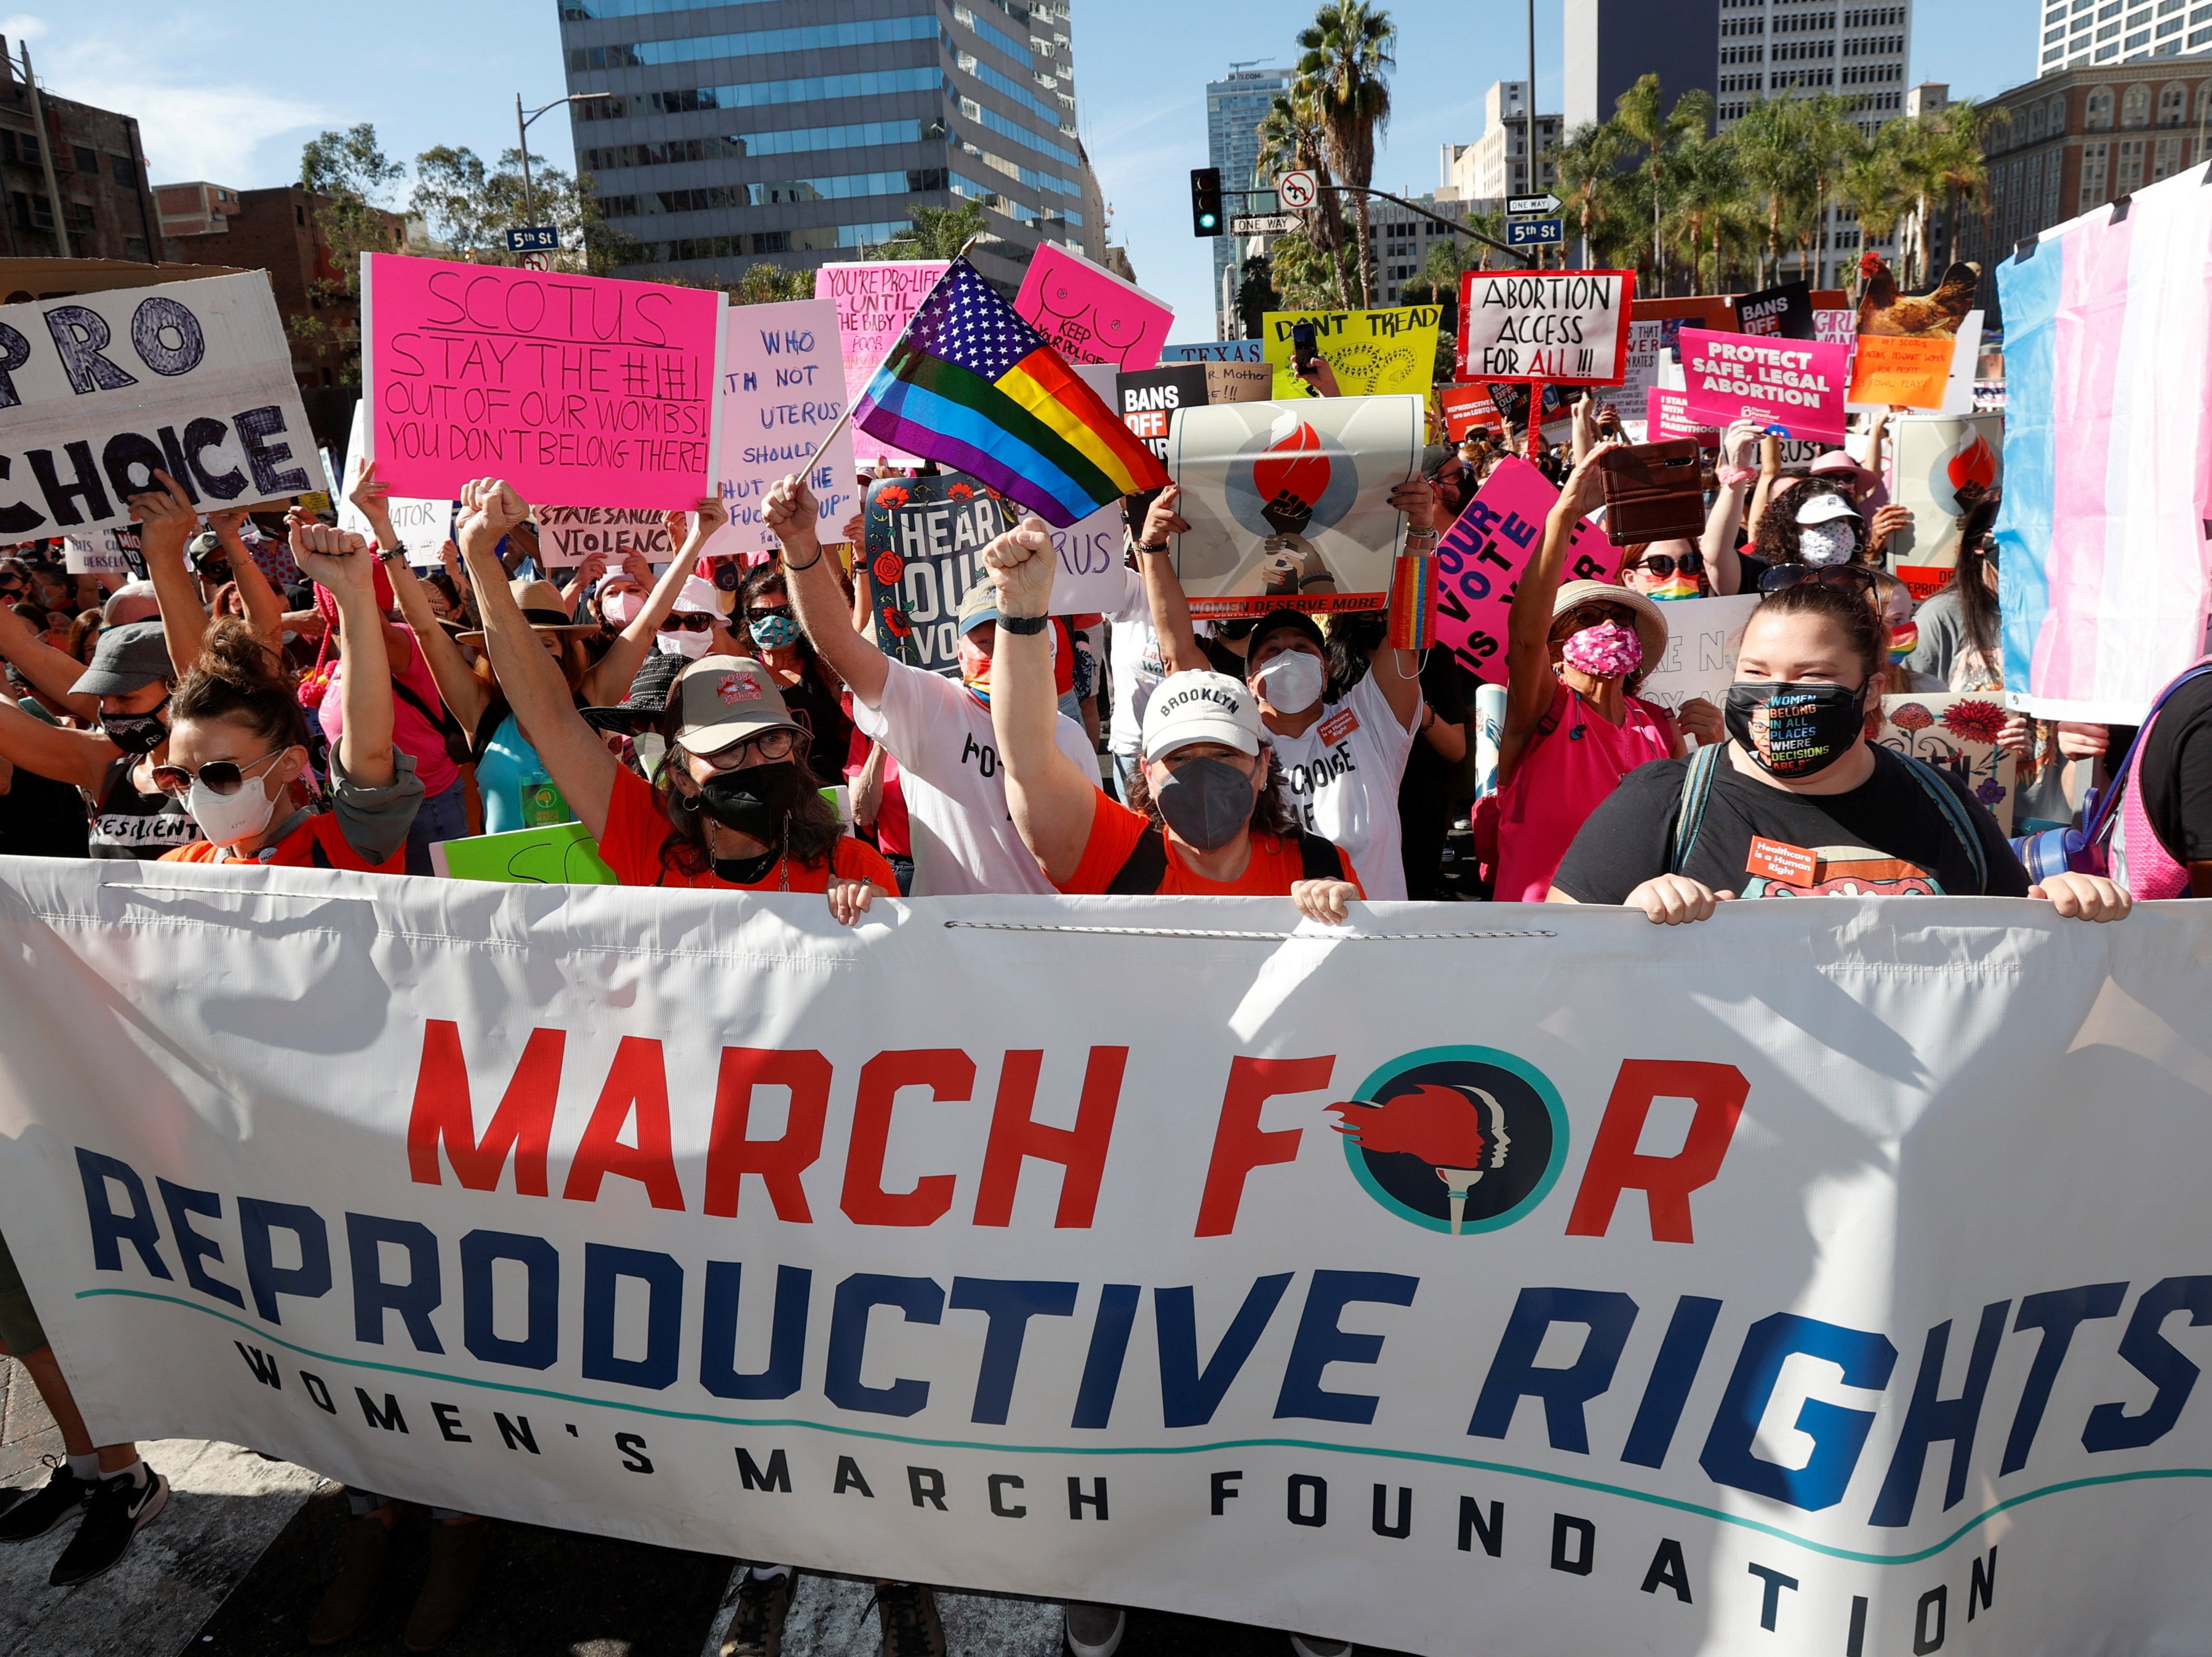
(98, 392)
(580, 389)
(1826, 1278)
(1793, 388)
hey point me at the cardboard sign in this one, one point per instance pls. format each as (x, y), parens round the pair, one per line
(1560, 327)
(1955, 731)
(1893, 372)
(1147, 400)
(556, 854)
(1466, 408)
(1289, 502)
(99, 390)
(1791, 387)
(1482, 554)
(924, 540)
(584, 390)
(1785, 312)
(1837, 326)
(1088, 314)
(1214, 350)
(1640, 370)
(1511, 403)
(423, 525)
(1667, 413)
(97, 554)
(1702, 637)
(1939, 467)
(1239, 382)
(875, 301)
(1372, 353)
(783, 388)
(569, 535)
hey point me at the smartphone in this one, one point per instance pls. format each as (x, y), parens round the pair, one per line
(1303, 343)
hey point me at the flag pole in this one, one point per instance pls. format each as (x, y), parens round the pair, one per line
(823, 447)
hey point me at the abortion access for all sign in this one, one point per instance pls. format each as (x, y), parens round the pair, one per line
(1791, 387)
(98, 392)
(582, 389)
(1560, 327)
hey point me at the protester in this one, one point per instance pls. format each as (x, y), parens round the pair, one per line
(2162, 835)
(767, 629)
(1797, 802)
(938, 729)
(1342, 760)
(737, 806)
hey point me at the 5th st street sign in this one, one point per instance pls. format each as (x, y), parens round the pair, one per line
(1534, 233)
(534, 239)
(1546, 202)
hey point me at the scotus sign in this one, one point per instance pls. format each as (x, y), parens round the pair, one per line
(1596, 1285)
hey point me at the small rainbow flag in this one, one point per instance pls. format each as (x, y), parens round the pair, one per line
(971, 384)
(1413, 624)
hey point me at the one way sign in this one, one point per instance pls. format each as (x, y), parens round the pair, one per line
(1546, 202)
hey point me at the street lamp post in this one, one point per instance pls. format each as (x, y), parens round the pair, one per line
(522, 137)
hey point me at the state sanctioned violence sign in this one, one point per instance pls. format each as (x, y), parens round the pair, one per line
(1558, 327)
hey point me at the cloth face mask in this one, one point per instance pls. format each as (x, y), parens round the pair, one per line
(775, 632)
(752, 801)
(1608, 651)
(1206, 802)
(1795, 731)
(688, 645)
(1827, 544)
(136, 733)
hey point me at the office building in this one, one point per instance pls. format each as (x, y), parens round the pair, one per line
(2078, 139)
(740, 134)
(2086, 33)
(1613, 43)
(1400, 241)
(75, 176)
(1769, 48)
(1235, 107)
(1495, 165)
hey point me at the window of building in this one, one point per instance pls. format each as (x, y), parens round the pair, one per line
(86, 160)
(2093, 161)
(2098, 115)
(29, 212)
(135, 248)
(125, 171)
(2131, 167)
(2166, 158)
(82, 221)
(2172, 104)
(2135, 106)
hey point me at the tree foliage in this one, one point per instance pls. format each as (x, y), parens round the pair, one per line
(1343, 81)
(937, 233)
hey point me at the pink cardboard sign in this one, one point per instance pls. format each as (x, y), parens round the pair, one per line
(583, 389)
(1792, 388)
(875, 302)
(1667, 413)
(1091, 315)
(1480, 558)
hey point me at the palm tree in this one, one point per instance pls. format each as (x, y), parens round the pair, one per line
(1346, 53)
(1588, 164)
(1832, 140)
(1769, 142)
(1704, 184)
(1872, 186)
(1950, 165)
(1636, 112)
(1291, 138)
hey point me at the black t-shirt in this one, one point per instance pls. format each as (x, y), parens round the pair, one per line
(1431, 781)
(42, 819)
(1885, 836)
(2176, 774)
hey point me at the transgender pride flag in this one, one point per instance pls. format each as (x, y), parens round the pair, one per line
(2102, 539)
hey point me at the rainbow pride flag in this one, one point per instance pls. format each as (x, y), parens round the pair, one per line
(972, 385)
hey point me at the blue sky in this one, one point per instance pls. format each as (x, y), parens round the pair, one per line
(229, 92)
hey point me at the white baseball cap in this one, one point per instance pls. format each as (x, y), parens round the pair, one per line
(1826, 509)
(1200, 706)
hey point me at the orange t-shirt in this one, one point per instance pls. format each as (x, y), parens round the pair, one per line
(317, 843)
(1116, 830)
(637, 828)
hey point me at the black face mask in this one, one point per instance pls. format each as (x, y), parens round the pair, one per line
(1808, 727)
(136, 733)
(754, 801)
(1207, 802)
(746, 871)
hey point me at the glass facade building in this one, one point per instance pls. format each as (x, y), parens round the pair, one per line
(797, 133)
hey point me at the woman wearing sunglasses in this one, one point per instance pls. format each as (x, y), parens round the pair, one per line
(238, 738)
(1797, 803)
(768, 628)
(736, 807)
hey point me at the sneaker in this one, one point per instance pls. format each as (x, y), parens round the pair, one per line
(1310, 1645)
(457, 1552)
(353, 1590)
(36, 1512)
(1093, 1630)
(909, 1614)
(119, 1509)
(757, 1630)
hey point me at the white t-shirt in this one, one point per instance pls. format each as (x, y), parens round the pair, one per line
(1137, 665)
(964, 840)
(1342, 779)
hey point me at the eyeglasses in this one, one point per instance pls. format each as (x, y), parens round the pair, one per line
(768, 746)
(1583, 616)
(1664, 564)
(753, 612)
(217, 776)
(690, 620)
(1854, 578)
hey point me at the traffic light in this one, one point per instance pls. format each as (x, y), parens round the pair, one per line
(1206, 201)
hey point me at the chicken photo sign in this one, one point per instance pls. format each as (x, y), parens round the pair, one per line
(1906, 341)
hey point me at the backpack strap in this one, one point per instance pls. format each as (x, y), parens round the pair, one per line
(1689, 808)
(2106, 811)
(1145, 867)
(440, 720)
(1955, 814)
(494, 714)
(1322, 859)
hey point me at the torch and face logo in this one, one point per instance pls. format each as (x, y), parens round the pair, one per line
(1456, 1140)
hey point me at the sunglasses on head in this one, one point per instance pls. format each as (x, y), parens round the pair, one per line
(690, 622)
(217, 776)
(1664, 564)
(1855, 579)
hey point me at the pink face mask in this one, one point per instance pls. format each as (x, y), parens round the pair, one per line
(1608, 651)
(621, 608)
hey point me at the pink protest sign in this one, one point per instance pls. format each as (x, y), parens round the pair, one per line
(1090, 314)
(582, 389)
(1792, 388)
(875, 302)
(1667, 413)
(1481, 556)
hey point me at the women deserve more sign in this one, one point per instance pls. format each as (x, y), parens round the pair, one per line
(580, 389)
(1791, 387)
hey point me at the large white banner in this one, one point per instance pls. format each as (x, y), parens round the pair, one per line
(1531, 1279)
(100, 390)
